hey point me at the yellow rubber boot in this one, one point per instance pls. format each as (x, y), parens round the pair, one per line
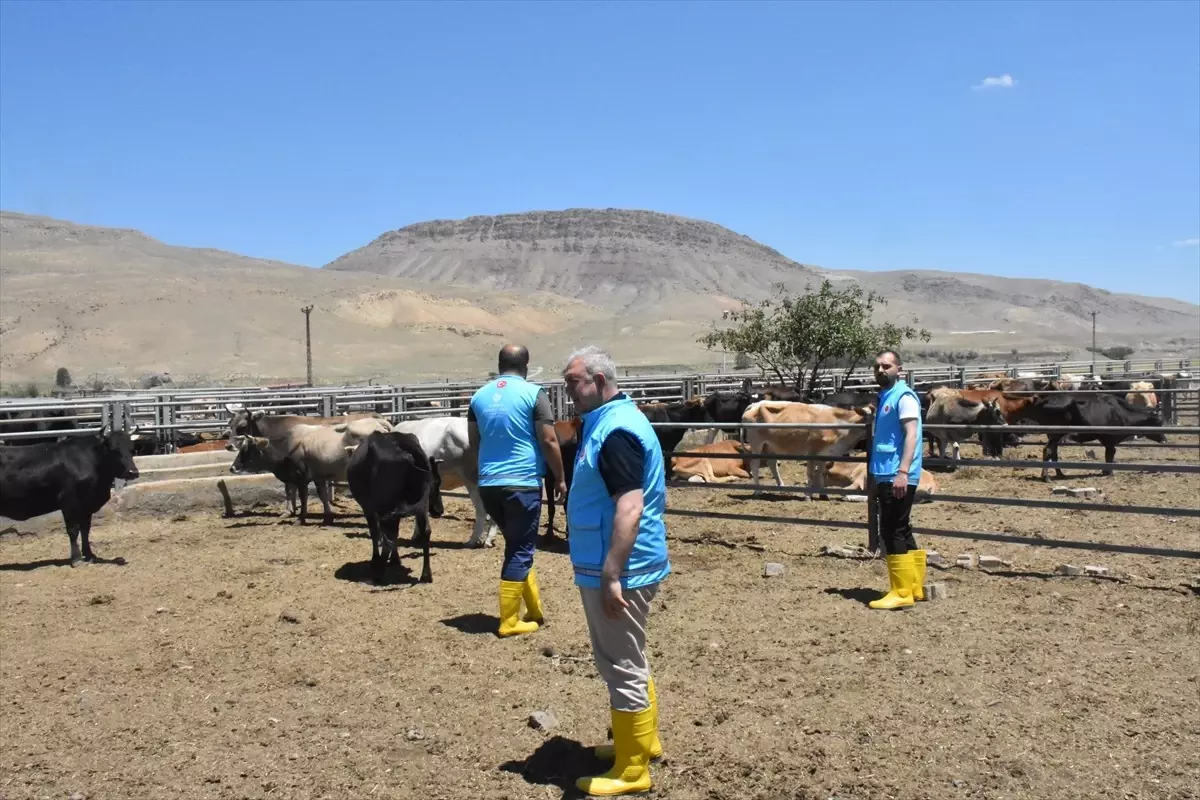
(532, 597)
(900, 576)
(918, 586)
(632, 733)
(606, 752)
(510, 610)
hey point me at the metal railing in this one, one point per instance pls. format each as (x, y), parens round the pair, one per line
(168, 414)
(871, 524)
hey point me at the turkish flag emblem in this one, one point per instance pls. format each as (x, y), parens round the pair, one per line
(501, 384)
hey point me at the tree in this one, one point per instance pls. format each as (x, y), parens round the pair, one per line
(742, 361)
(795, 338)
(1114, 353)
(62, 378)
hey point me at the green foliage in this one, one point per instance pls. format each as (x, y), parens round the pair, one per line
(1115, 353)
(742, 361)
(62, 378)
(948, 356)
(17, 390)
(794, 338)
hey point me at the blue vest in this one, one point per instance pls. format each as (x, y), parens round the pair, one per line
(889, 436)
(590, 508)
(509, 454)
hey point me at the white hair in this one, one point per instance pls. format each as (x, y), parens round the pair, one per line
(595, 361)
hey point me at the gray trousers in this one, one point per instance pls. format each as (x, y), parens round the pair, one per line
(619, 646)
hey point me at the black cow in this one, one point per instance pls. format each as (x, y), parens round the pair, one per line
(1092, 410)
(687, 411)
(849, 398)
(728, 407)
(47, 421)
(784, 393)
(74, 476)
(254, 456)
(391, 478)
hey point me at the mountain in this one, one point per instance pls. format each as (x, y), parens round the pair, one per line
(116, 304)
(437, 299)
(652, 269)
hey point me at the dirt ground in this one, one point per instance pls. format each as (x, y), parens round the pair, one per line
(246, 658)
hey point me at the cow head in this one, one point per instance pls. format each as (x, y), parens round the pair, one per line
(1151, 418)
(436, 509)
(117, 450)
(251, 455)
(991, 414)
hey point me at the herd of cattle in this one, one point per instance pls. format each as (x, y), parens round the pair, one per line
(398, 471)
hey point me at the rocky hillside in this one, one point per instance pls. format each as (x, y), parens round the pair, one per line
(437, 299)
(627, 262)
(118, 304)
(642, 264)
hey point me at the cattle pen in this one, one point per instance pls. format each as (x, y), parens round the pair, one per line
(245, 656)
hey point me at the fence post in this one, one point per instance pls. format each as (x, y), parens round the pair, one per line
(327, 405)
(1167, 404)
(962, 377)
(872, 506)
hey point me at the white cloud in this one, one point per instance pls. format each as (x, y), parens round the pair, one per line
(1188, 243)
(1005, 81)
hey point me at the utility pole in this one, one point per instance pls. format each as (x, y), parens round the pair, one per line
(308, 340)
(1093, 344)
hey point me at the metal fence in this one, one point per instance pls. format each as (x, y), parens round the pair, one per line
(169, 414)
(871, 526)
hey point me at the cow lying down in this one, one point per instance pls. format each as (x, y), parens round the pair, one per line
(697, 469)
(850, 475)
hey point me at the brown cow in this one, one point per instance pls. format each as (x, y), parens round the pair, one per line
(567, 431)
(803, 441)
(1014, 407)
(695, 469)
(854, 476)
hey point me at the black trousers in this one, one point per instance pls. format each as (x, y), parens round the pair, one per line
(895, 529)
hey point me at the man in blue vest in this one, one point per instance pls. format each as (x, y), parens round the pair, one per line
(618, 543)
(896, 467)
(511, 426)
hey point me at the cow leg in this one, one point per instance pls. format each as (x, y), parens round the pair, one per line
(1050, 453)
(85, 529)
(481, 518)
(377, 561)
(72, 523)
(1110, 455)
(302, 498)
(426, 535)
(775, 472)
(324, 489)
(289, 490)
(754, 465)
(549, 504)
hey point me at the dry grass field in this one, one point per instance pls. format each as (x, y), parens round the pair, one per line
(247, 658)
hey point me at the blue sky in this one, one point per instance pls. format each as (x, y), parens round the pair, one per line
(851, 136)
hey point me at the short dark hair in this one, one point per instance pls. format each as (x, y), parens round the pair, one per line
(513, 358)
(895, 356)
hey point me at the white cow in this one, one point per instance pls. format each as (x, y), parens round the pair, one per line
(445, 439)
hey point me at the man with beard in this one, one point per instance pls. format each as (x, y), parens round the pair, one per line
(895, 465)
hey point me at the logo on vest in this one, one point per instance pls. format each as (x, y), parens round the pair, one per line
(887, 408)
(501, 384)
